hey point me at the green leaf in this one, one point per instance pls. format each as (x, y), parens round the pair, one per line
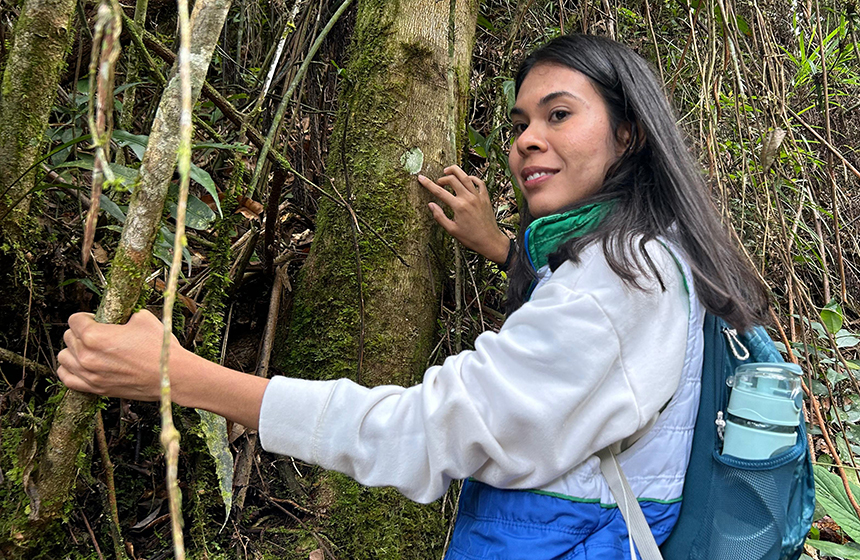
(831, 494)
(831, 317)
(198, 215)
(846, 339)
(205, 180)
(509, 87)
(111, 208)
(827, 548)
(163, 247)
(743, 26)
(477, 141)
(214, 430)
(485, 23)
(127, 175)
(137, 143)
(86, 282)
(124, 87)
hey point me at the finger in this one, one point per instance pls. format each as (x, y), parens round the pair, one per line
(460, 188)
(479, 184)
(439, 192)
(145, 316)
(439, 215)
(467, 180)
(75, 382)
(66, 358)
(72, 342)
(81, 324)
(81, 318)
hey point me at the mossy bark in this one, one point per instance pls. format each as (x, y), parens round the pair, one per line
(71, 426)
(42, 36)
(395, 97)
(393, 100)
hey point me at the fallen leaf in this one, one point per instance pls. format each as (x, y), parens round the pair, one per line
(249, 208)
(317, 555)
(99, 254)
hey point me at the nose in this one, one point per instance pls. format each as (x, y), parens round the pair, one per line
(531, 139)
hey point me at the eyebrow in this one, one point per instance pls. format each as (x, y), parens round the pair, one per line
(547, 98)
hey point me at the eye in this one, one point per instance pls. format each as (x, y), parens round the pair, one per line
(518, 128)
(558, 115)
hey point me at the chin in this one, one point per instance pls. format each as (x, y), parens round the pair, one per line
(540, 212)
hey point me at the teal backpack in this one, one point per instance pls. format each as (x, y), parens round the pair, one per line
(732, 508)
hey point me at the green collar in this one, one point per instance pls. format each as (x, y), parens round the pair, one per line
(544, 235)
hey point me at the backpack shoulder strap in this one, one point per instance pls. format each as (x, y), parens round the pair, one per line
(638, 530)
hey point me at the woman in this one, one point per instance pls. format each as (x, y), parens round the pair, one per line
(620, 254)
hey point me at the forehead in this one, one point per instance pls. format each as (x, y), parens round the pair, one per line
(548, 78)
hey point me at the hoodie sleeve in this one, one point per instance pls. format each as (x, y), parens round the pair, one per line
(528, 404)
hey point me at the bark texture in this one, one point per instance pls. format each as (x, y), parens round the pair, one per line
(393, 100)
(42, 35)
(71, 427)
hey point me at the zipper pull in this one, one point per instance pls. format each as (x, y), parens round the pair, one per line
(721, 425)
(738, 349)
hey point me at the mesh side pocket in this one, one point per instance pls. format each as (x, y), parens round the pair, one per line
(751, 514)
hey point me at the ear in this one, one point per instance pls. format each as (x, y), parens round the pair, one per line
(624, 138)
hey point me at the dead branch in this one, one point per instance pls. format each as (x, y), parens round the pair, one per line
(20, 361)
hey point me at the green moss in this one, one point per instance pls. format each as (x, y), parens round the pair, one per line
(19, 539)
(325, 323)
(378, 523)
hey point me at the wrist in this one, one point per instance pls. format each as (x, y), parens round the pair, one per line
(512, 254)
(500, 250)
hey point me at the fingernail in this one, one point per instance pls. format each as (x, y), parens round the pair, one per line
(420, 177)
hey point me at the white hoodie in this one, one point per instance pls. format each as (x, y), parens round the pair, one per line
(586, 363)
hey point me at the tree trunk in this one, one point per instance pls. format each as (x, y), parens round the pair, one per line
(42, 35)
(372, 318)
(71, 426)
(393, 101)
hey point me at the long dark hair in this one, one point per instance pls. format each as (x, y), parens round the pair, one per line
(656, 187)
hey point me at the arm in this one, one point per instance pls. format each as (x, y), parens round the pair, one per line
(123, 360)
(554, 386)
(474, 223)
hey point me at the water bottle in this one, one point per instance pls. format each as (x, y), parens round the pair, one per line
(764, 410)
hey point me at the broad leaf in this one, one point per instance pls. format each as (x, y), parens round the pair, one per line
(127, 175)
(111, 208)
(832, 317)
(477, 141)
(198, 215)
(827, 548)
(846, 339)
(830, 493)
(137, 143)
(163, 247)
(205, 180)
(214, 430)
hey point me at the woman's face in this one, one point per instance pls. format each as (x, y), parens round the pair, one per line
(564, 143)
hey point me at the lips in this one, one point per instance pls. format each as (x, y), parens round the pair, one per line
(535, 176)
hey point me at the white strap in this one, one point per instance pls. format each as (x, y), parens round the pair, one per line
(638, 529)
